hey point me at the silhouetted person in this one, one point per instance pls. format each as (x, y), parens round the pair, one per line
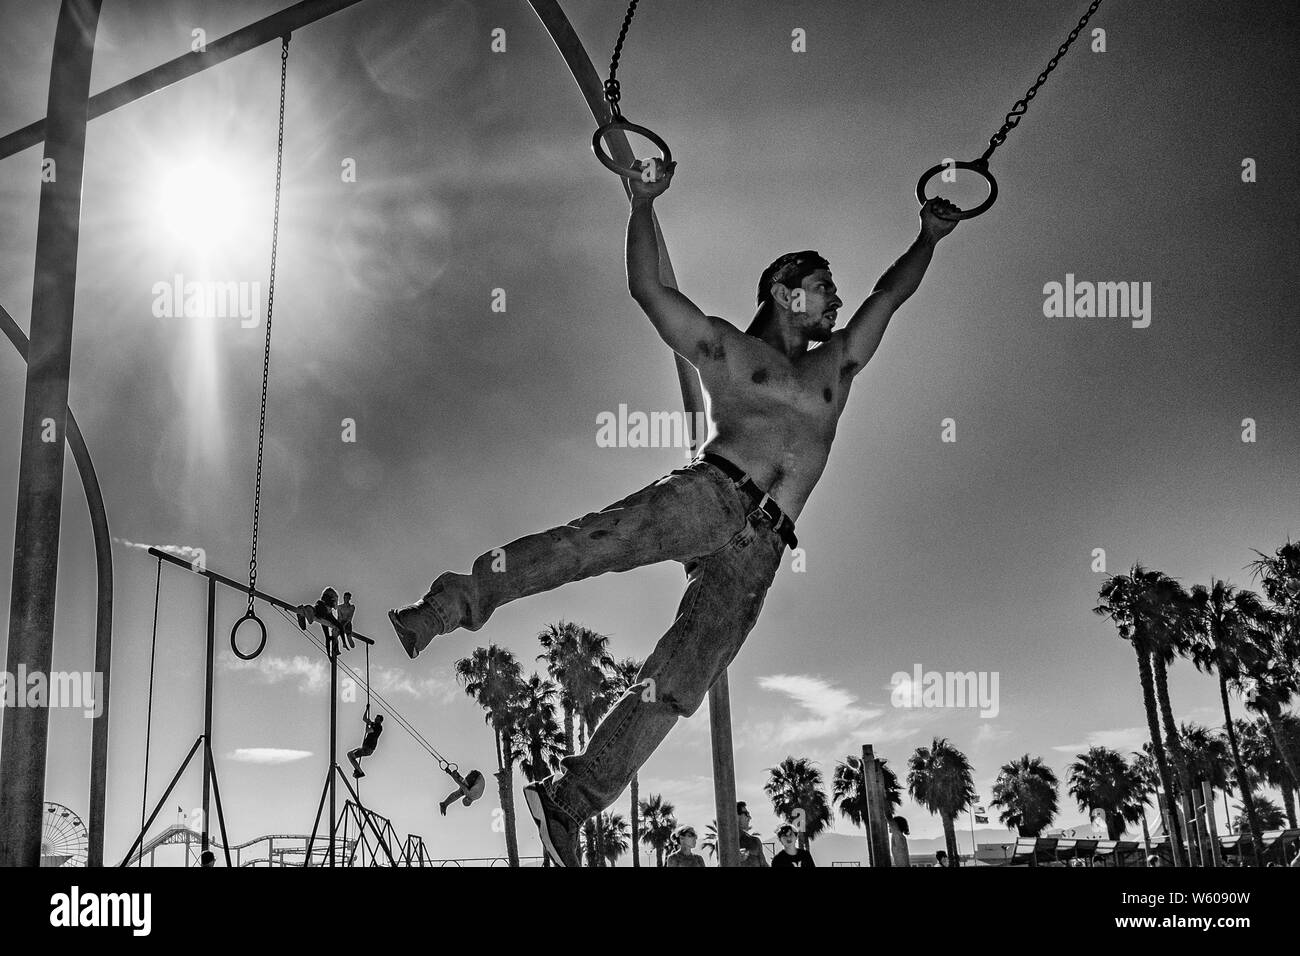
(368, 743)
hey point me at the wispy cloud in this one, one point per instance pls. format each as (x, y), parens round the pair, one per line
(184, 551)
(823, 710)
(267, 755)
(396, 680)
(1124, 740)
(311, 676)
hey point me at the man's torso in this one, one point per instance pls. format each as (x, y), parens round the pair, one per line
(773, 416)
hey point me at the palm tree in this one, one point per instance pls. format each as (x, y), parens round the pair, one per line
(1269, 815)
(1026, 792)
(1102, 779)
(540, 737)
(493, 678)
(848, 793)
(1137, 603)
(612, 842)
(1173, 636)
(795, 789)
(1275, 672)
(623, 677)
(939, 779)
(710, 839)
(578, 659)
(1227, 619)
(1260, 754)
(660, 823)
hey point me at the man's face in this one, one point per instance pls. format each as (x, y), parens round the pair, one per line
(820, 305)
(744, 819)
(788, 840)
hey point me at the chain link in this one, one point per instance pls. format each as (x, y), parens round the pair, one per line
(613, 92)
(1018, 110)
(270, 311)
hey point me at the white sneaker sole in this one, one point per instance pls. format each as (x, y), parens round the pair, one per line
(534, 801)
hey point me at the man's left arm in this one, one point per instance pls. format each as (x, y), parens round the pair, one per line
(866, 328)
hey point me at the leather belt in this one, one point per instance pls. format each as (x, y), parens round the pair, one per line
(762, 502)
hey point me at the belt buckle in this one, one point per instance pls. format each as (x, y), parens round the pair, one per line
(760, 509)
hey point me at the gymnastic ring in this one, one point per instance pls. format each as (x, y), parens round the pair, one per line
(260, 644)
(979, 166)
(627, 172)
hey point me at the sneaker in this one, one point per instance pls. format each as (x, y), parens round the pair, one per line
(557, 836)
(358, 773)
(416, 626)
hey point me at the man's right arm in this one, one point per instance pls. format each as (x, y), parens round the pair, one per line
(680, 323)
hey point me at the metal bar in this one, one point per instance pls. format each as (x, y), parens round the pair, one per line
(173, 71)
(161, 800)
(207, 703)
(45, 409)
(724, 773)
(243, 588)
(331, 647)
(103, 608)
(211, 762)
(367, 816)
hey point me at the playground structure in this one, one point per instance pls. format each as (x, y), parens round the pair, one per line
(23, 748)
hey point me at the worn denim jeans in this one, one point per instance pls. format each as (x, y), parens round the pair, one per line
(694, 515)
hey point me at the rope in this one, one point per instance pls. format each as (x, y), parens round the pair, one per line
(270, 311)
(419, 738)
(148, 723)
(1019, 108)
(613, 92)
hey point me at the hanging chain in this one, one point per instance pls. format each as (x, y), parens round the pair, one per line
(612, 90)
(270, 309)
(1018, 110)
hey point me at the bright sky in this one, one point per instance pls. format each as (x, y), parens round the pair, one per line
(473, 173)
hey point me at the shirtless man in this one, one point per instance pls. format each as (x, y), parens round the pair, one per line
(774, 404)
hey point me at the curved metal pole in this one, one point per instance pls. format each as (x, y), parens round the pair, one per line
(589, 82)
(103, 607)
(24, 744)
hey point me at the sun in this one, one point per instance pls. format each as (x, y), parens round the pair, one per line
(200, 204)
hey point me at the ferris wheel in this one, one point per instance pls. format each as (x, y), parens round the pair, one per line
(63, 837)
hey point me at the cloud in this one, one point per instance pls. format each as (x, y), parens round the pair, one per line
(989, 734)
(267, 755)
(311, 676)
(824, 710)
(184, 551)
(1125, 740)
(395, 680)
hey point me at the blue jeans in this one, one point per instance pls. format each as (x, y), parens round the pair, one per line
(694, 515)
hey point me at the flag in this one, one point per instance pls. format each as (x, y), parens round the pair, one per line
(981, 814)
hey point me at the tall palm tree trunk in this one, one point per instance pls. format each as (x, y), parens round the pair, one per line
(1158, 752)
(506, 794)
(1179, 760)
(636, 823)
(1243, 782)
(950, 838)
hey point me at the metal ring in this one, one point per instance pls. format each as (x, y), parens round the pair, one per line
(627, 172)
(260, 644)
(979, 166)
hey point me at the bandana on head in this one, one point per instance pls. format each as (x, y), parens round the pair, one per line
(790, 270)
